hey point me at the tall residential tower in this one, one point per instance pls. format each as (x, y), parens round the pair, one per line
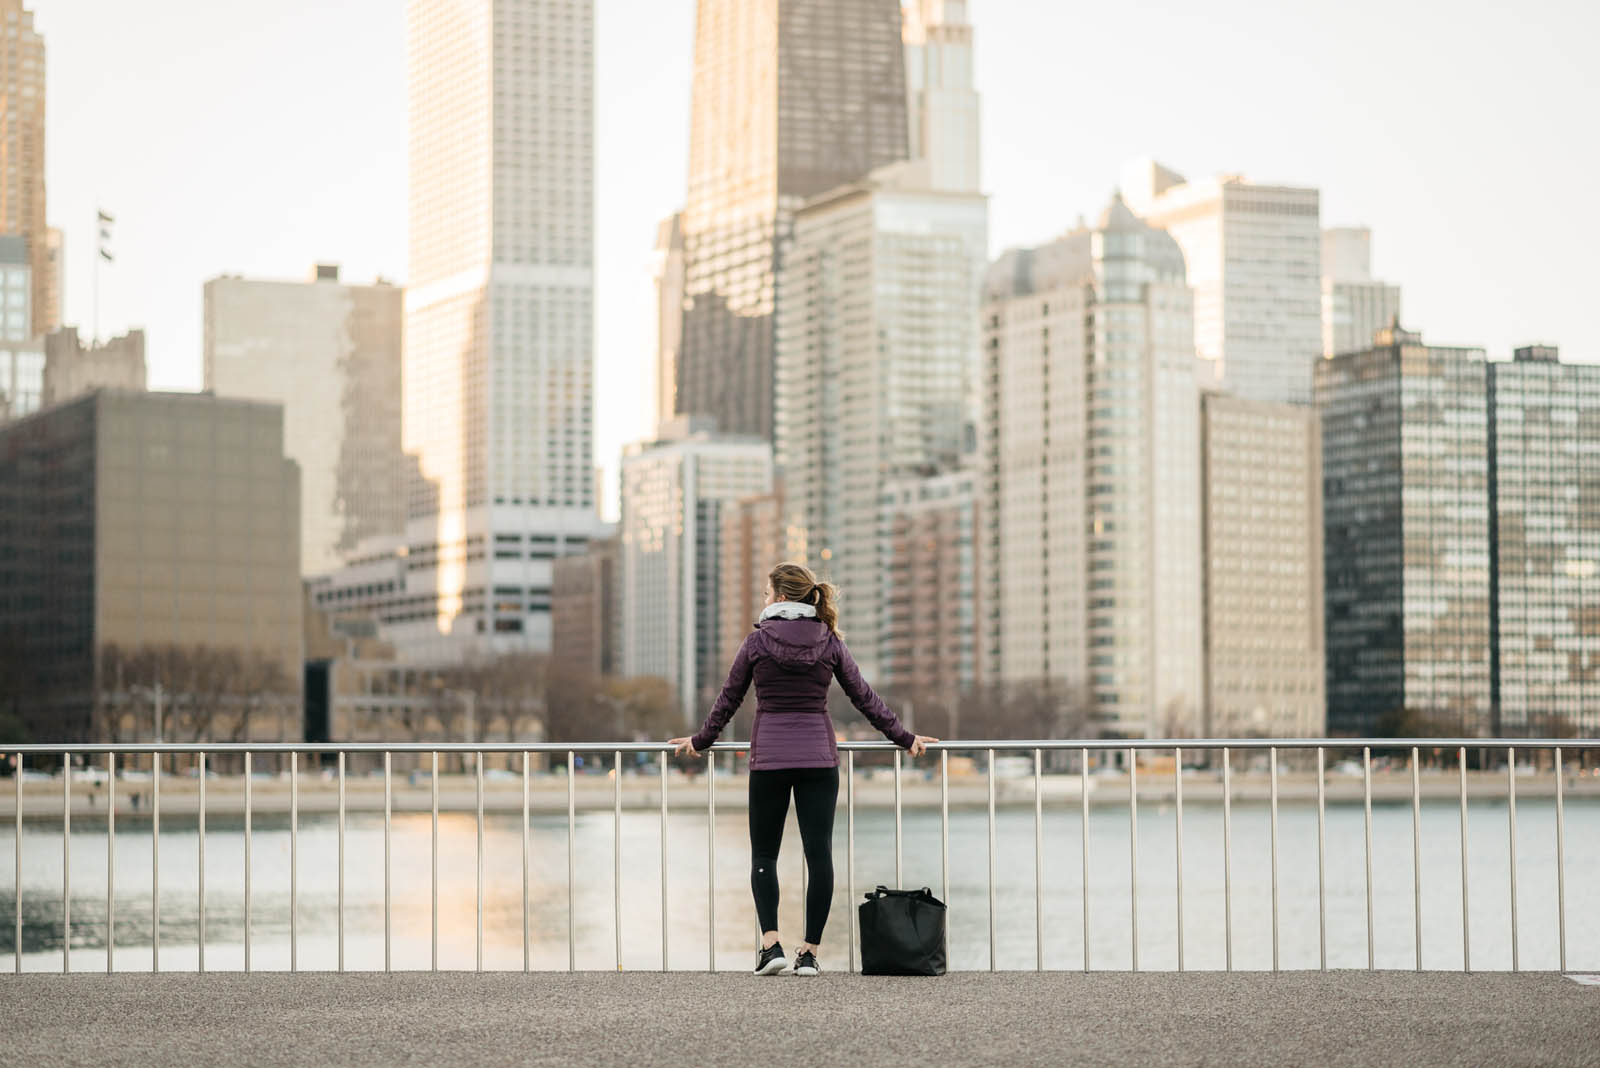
(941, 96)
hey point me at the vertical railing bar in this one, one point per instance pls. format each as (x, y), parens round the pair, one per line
(1133, 854)
(111, 860)
(1416, 853)
(527, 926)
(1561, 865)
(572, 857)
(991, 862)
(388, 863)
(66, 863)
(850, 848)
(898, 880)
(433, 876)
(1366, 785)
(247, 856)
(711, 859)
(1227, 859)
(478, 948)
(1272, 757)
(17, 872)
(1511, 829)
(1466, 936)
(1177, 788)
(201, 861)
(341, 863)
(664, 958)
(616, 852)
(1083, 836)
(155, 863)
(294, 862)
(1322, 860)
(1038, 862)
(944, 827)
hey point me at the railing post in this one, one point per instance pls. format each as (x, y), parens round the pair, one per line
(1083, 798)
(1227, 860)
(111, 861)
(1511, 829)
(341, 862)
(711, 856)
(247, 858)
(991, 863)
(1416, 851)
(433, 861)
(201, 863)
(1038, 863)
(850, 848)
(1272, 758)
(66, 863)
(1133, 853)
(294, 862)
(1466, 934)
(155, 863)
(664, 921)
(527, 931)
(388, 863)
(1177, 787)
(1366, 782)
(572, 856)
(1561, 865)
(1322, 860)
(17, 871)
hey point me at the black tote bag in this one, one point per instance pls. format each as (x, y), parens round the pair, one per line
(902, 933)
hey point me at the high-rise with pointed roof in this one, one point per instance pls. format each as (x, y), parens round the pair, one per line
(790, 99)
(1089, 477)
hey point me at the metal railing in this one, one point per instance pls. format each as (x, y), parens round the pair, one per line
(1126, 749)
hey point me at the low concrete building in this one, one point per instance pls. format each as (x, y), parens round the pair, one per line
(72, 368)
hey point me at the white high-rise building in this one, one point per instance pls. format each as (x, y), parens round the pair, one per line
(674, 491)
(1253, 254)
(942, 97)
(876, 366)
(1355, 306)
(329, 352)
(498, 385)
(1089, 492)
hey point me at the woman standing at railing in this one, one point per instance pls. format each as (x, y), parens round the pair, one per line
(793, 655)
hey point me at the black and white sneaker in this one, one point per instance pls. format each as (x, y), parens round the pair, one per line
(772, 960)
(805, 963)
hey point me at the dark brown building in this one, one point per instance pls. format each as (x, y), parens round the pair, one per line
(585, 596)
(137, 522)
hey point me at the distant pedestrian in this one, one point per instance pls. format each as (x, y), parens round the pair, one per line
(794, 654)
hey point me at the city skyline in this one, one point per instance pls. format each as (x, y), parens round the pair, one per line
(184, 216)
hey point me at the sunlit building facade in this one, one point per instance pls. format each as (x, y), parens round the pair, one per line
(876, 366)
(942, 98)
(1089, 474)
(1261, 488)
(22, 169)
(790, 99)
(928, 527)
(329, 353)
(1254, 260)
(675, 492)
(1544, 490)
(498, 391)
(1355, 306)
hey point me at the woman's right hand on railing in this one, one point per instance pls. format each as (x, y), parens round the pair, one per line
(683, 747)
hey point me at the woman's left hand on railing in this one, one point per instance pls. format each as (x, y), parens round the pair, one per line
(920, 745)
(683, 747)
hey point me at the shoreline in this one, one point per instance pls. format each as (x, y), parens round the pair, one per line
(42, 800)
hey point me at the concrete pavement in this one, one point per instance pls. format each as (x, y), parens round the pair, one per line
(1341, 1018)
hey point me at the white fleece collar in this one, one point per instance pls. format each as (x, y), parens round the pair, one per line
(788, 610)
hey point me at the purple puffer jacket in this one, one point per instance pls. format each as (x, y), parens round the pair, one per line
(792, 662)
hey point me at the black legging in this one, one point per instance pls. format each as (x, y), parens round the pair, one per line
(816, 793)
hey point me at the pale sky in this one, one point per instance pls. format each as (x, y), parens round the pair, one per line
(258, 138)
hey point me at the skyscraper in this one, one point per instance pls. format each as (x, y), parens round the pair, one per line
(790, 99)
(877, 354)
(1254, 261)
(1544, 514)
(329, 353)
(22, 202)
(1355, 306)
(666, 274)
(1405, 472)
(942, 100)
(1261, 486)
(1089, 474)
(498, 384)
(21, 350)
(674, 493)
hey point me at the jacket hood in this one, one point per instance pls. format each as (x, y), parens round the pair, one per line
(794, 644)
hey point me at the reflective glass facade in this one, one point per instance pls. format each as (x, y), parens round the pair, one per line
(791, 98)
(1545, 497)
(1406, 561)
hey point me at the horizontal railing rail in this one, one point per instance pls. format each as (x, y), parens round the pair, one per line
(1559, 748)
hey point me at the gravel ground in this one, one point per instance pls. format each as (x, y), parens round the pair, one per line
(1340, 1018)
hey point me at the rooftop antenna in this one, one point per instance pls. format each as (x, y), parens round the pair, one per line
(103, 248)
